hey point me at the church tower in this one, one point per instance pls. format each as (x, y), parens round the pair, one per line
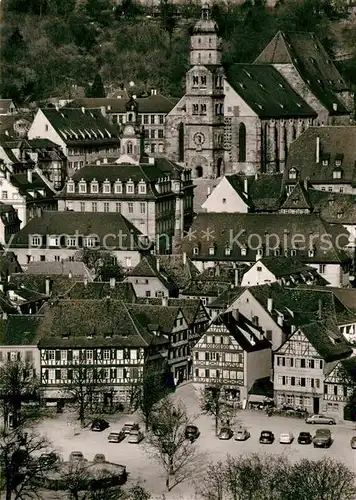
(131, 140)
(204, 120)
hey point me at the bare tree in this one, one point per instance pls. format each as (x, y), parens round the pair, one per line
(152, 390)
(212, 485)
(25, 459)
(18, 384)
(167, 442)
(82, 388)
(213, 402)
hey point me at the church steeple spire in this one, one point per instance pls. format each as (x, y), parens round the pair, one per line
(205, 46)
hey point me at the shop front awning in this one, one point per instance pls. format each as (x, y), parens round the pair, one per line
(256, 398)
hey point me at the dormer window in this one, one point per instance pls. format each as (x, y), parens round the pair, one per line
(82, 186)
(259, 252)
(212, 250)
(129, 187)
(292, 173)
(227, 251)
(337, 173)
(277, 252)
(142, 187)
(118, 187)
(244, 251)
(94, 187)
(106, 186)
(195, 250)
(70, 187)
(293, 252)
(311, 252)
(36, 240)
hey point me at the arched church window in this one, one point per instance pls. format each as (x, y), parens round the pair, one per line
(130, 117)
(199, 40)
(199, 58)
(181, 142)
(209, 56)
(129, 148)
(209, 42)
(203, 109)
(221, 109)
(195, 109)
(195, 80)
(242, 142)
(203, 80)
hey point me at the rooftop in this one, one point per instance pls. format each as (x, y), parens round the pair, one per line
(155, 103)
(327, 340)
(64, 268)
(101, 290)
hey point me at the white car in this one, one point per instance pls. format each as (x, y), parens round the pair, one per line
(286, 438)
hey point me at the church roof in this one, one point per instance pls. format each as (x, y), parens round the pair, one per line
(312, 62)
(267, 92)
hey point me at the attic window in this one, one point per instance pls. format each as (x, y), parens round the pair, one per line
(311, 253)
(212, 251)
(94, 188)
(259, 252)
(340, 215)
(277, 252)
(118, 187)
(227, 251)
(325, 162)
(195, 251)
(83, 187)
(292, 173)
(338, 162)
(337, 174)
(243, 251)
(70, 187)
(293, 252)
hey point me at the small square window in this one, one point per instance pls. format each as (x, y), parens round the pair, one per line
(224, 201)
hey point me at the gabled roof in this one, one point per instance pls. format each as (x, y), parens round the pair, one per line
(349, 365)
(347, 296)
(314, 65)
(155, 103)
(246, 334)
(266, 191)
(266, 91)
(180, 272)
(108, 322)
(83, 223)
(333, 141)
(226, 298)
(161, 317)
(5, 106)
(285, 266)
(302, 305)
(298, 199)
(101, 290)
(26, 294)
(46, 268)
(148, 268)
(334, 207)
(214, 230)
(36, 190)
(76, 127)
(189, 307)
(327, 340)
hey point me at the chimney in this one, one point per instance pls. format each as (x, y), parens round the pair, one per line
(48, 286)
(70, 275)
(235, 314)
(246, 186)
(165, 301)
(112, 282)
(280, 319)
(317, 159)
(269, 304)
(157, 264)
(83, 109)
(184, 258)
(29, 176)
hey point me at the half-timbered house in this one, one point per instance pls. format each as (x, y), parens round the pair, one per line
(302, 363)
(339, 385)
(232, 352)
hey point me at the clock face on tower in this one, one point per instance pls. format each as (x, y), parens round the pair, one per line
(199, 138)
(129, 130)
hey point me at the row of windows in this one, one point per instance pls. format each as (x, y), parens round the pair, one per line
(81, 151)
(64, 374)
(196, 109)
(16, 356)
(145, 119)
(337, 173)
(226, 357)
(127, 261)
(90, 354)
(179, 352)
(118, 207)
(259, 252)
(300, 362)
(314, 383)
(106, 187)
(220, 374)
(336, 390)
(218, 81)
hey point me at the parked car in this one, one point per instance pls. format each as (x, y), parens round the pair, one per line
(353, 442)
(135, 436)
(266, 437)
(305, 438)
(116, 437)
(225, 433)
(192, 432)
(76, 456)
(320, 419)
(242, 435)
(322, 438)
(130, 426)
(286, 438)
(99, 425)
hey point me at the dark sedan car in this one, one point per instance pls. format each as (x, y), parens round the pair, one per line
(225, 433)
(305, 438)
(191, 432)
(266, 437)
(99, 425)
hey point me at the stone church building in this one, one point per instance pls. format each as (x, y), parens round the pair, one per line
(244, 118)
